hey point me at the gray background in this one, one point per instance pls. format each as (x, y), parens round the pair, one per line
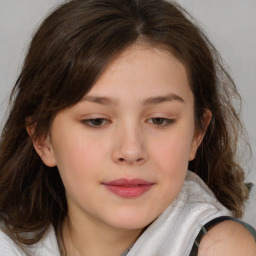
(230, 24)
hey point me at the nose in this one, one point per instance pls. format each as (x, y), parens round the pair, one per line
(129, 147)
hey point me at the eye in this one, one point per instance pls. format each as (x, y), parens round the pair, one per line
(161, 122)
(95, 122)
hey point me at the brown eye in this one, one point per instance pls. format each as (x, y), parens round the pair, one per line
(158, 121)
(161, 122)
(96, 122)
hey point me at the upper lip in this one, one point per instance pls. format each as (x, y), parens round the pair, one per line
(128, 182)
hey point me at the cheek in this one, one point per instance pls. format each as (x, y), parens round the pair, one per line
(78, 161)
(171, 159)
(172, 154)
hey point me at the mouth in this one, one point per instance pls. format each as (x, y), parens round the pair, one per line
(128, 188)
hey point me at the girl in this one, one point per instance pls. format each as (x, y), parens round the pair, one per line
(116, 100)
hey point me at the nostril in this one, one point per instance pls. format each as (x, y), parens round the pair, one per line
(123, 160)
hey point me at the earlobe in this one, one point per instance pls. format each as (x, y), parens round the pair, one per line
(199, 133)
(42, 145)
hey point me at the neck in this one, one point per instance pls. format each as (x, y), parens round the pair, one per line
(86, 239)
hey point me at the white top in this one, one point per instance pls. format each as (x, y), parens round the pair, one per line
(172, 233)
(46, 247)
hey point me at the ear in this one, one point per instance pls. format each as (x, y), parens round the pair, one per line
(43, 146)
(199, 133)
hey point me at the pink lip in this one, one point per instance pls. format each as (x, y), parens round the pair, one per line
(128, 188)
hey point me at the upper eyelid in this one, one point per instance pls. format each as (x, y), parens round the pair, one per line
(87, 122)
(169, 120)
(94, 118)
(108, 119)
(166, 121)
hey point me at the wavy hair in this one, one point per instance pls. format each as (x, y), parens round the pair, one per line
(67, 55)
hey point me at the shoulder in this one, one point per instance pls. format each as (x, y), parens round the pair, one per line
(228, 238)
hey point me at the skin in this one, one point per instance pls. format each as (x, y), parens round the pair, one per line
(228, 239)
(136, 122)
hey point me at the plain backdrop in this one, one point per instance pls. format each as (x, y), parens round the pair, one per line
(230, 24)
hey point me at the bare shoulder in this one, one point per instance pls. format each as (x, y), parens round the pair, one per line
(228, 238)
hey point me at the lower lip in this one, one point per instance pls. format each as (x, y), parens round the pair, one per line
(129, 191)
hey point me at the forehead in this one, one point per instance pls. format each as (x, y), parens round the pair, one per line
(143, 71)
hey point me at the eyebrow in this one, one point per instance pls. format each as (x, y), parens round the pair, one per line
(148, 101)
(161, 99)
(100, 100)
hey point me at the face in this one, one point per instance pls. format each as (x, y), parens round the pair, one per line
(123, 150)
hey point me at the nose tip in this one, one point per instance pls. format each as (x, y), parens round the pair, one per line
(129, 150)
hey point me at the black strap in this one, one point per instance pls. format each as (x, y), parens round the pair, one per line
(212, 223)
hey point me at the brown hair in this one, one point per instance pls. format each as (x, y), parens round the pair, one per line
(67, 55)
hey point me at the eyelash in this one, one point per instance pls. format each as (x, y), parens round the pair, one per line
(88, 122)
(167, 122)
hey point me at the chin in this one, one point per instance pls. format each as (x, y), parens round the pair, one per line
(131, 221)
